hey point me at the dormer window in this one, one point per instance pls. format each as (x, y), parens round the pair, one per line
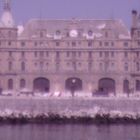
(58, 33)
(90, 33)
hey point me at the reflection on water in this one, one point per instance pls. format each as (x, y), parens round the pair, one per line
(69, 132)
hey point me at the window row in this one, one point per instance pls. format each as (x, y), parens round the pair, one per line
(11, 66)
(11, 84)
(89, 43)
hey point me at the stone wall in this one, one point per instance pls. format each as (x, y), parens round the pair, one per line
(57, 105)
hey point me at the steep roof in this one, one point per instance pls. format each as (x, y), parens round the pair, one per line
(32, 27)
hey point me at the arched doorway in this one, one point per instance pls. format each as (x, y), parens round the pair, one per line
(41, 85)
(106, 86)
(126, 86)
(73, 84)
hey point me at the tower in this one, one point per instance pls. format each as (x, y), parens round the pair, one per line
(135, 28)
(8, 29)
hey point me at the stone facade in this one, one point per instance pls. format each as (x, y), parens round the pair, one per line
(69, 55)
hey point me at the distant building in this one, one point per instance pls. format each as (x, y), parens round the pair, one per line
(69, 55)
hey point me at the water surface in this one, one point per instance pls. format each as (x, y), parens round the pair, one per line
(69, 132)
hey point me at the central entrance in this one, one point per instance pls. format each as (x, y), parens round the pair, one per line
(41, 85)
(73, 84)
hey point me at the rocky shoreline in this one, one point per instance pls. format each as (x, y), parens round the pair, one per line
(83, 117)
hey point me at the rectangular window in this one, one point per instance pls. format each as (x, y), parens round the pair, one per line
(68, 54)
(35, 44)
(68, 43)
(89, 66)
(47, 54)
(137, 54)
(106, 54)
(112, 66)
(35, 54)
(138, 33)
(100, 54)
(10, 54)
(79, 54)
(112, 43)
(9, 43)
(90, 55)
(22, 54)
(100, 44)
(112, 54)
(90, 43)
(73, 54)
(41, 54)
(73, 44)
(22, 66)
(57, 66)
(137, 66)
(57, 44)
(22, 44)
(125, 44)
(57, 54)
(10, 65)
(126, 66)
(125, 54)
(106, 44)
(106, 34)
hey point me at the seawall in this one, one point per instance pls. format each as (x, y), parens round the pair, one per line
(72, 104)
(59, 108)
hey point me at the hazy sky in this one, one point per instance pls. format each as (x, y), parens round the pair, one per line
(23, 10)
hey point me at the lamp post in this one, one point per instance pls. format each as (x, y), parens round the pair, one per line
(73, 87)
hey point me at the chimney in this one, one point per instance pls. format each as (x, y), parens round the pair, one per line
(134, 18)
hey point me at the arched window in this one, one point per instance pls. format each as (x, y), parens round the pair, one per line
(41, 85)
(73, 84)
(10, 84)
(90, 33)
(106, 85)
(22, 66)
(22, 83)
(58, 32)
